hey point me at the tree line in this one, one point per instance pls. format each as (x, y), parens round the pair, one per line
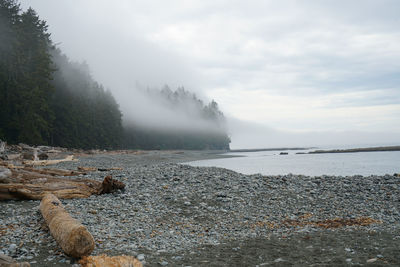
(46, 99)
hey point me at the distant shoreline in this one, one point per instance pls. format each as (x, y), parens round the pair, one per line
(356, 150)
(349, 150)
(270, 149)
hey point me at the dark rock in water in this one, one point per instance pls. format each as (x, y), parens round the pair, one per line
(28, 155)
(283, 153)
(43, 156)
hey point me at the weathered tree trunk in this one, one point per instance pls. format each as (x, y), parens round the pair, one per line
(48, 162)
(34, 184)
(6, 261)
(106, 261)
(74, 239)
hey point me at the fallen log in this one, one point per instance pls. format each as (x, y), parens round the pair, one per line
(48, 162)
(24, 184)
(6, 261)
(91, 169)
(74, 239)
(54, 172)
(106, 261)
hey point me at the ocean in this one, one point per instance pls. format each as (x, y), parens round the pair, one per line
(340, 164)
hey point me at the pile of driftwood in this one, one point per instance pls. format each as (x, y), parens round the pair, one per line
(26, 182)
(21, 179)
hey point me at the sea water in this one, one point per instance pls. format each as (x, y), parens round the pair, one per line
(343, 164)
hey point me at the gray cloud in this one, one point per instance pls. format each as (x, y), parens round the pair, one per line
(340, 58)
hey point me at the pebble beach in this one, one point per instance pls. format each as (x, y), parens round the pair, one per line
(172, 214)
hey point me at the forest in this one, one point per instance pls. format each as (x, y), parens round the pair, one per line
(47, 99)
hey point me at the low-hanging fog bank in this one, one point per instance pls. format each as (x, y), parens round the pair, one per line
(247, 135)
(171, 111)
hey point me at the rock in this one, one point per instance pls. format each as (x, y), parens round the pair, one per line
(284, 153)
(12, 248)
(28, 155)
(43, 156)
(140, 257)
(5, 174)
(372, 260)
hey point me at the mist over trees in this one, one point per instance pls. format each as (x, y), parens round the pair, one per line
(46, 99)
(178, 120)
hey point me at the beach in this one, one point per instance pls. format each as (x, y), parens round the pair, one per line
(172, 214)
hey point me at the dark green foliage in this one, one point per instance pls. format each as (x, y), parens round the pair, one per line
(40, 102)
(26, 70)
(87, 116)
(137, 138)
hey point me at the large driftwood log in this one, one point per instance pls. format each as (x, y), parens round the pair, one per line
(48, 162)
(26, 183)
(74, 239)
(106, 261)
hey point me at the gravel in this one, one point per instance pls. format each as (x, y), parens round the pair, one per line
(172, 214)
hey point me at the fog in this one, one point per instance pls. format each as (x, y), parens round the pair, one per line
(252, 135)
(130, 46)
(151, 109)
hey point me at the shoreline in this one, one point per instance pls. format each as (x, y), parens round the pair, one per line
(358, 150)
(172, 214)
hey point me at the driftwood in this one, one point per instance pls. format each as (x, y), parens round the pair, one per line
(92, 169)
(106, 261)
(48, 162)
(27, 183)
(6, 261)
(74, 239)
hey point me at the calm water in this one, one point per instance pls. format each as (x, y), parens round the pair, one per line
(271, 163)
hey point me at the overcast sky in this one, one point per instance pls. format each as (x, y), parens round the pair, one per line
(294, 66)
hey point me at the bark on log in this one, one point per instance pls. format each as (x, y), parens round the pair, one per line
(106, 261)
(6, 261)
(48, 162)
(91, 169)
(25, 184)
(74, 239)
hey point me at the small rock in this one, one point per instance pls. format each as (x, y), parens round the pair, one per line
(4, 173)
(140, 257)
(372, 260)
(279, 260)
(12, 248)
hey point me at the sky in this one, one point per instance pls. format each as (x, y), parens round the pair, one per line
(284, 72)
